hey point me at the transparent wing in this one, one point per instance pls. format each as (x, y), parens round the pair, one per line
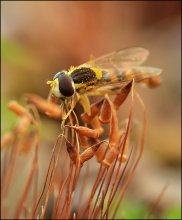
(121, 59)
(149, 76)
(139, 73)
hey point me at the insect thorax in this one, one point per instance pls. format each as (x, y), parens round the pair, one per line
(84, 77)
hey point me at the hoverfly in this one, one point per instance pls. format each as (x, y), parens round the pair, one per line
(106, 74)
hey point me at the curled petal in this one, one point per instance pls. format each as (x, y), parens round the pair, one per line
(96, 125)
(120, 98)
(7, 139)
(71, 151)
(114, 128)
(101, 152)
(83, 141)
(22, 126)
(105, 114)
(110, 156)
(89, 152)
(93, 133)
(49, 108)
(95, 108)
(19, 110)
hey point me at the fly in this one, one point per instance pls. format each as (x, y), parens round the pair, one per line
(104, 75)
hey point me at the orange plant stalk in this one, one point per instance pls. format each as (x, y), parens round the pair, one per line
(76, 152)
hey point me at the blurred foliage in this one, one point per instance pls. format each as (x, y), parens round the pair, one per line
(8, 118)
(16, 54)
(173, 213)
(131, 210)
(138, 210)
(21, 70)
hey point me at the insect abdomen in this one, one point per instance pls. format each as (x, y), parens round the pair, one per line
(112, 76)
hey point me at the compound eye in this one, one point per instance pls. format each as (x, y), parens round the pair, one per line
(58, 74)
(66, 85)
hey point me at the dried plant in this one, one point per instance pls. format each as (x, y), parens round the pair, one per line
(70, 190)
(66, 184)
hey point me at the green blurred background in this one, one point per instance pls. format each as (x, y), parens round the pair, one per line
(40, 38)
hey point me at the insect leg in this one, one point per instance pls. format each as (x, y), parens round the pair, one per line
(94, 109)
(73, 104)
(84, 101)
